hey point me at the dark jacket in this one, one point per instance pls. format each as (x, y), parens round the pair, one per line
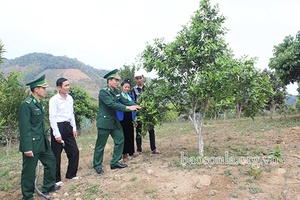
(108, 104)
(33, 136)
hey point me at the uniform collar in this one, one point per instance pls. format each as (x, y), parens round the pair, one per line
(35, 99)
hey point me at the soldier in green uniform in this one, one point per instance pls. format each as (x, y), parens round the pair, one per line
(108, 123)
(34, 143)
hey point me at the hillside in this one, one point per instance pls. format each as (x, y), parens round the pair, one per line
(236, 165)
(35, 64)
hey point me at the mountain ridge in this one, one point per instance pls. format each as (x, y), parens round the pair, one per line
(33, 65)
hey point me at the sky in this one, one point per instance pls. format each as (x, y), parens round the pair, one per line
(107, 34)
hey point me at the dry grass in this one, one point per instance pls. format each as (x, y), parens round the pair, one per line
(166, 176)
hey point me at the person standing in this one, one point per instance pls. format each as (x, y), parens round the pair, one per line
(63, 130)
(34, 143)
(126, 119)
(108, 123)
(136, 91)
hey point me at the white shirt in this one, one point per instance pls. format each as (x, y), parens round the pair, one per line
(61, 110)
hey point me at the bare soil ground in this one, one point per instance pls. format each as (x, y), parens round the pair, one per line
(174, 174)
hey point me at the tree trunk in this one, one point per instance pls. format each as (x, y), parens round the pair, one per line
(8, 145)
(198, 128)
(238, 110)
(272, 109)
(200, 139)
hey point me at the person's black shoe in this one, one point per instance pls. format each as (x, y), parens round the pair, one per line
(118, 166)
(53, 189)
(99, 171)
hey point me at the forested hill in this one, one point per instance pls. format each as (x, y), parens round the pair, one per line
(35, 64)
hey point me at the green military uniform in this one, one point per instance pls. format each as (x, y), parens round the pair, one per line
(34, 138)
(108, 123)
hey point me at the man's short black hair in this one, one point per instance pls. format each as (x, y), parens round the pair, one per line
(60, 81)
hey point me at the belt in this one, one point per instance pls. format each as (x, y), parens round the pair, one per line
(65, 122)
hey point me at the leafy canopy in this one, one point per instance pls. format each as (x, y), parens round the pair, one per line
(286, 59)
(12, 93)
(84, 106)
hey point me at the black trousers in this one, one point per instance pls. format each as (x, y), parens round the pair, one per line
(139, 138)
(70, 147)
(128, 131)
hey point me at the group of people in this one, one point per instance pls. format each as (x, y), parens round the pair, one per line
(34, 143)
(116, 113)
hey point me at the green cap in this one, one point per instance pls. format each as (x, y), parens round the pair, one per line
(40, 82)
(112, 74)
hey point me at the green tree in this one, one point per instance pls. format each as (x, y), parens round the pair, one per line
(154, 106)
(187, 66)
(297, 104)
(2, 120)
(277, 98)
(286, 59)
(1, 51)
(84, 106)
(1, 58)
(249, 87)
(12, 94)
(127, 71)
(46, 105)
(197, 71)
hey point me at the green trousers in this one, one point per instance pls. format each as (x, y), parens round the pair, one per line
(29, 171)
(118, 137)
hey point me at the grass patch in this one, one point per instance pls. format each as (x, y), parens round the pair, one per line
(254, 172)
(236, 137)
(134, 178)
(254, 189)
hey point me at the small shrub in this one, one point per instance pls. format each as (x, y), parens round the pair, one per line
(254, 190)
(254, 172)
(134, 178)
(227, 172)
(277, 154)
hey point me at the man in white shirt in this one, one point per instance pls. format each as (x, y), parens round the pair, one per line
(63, 130)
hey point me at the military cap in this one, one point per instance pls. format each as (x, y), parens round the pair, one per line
(40, 82)
(112, 74)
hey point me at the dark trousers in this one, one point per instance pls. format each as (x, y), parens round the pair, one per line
(139, 138)
(29, 171)
(128, 131)
(118, 137)
(70, 147)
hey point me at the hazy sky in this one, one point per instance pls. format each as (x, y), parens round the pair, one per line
(107, 34)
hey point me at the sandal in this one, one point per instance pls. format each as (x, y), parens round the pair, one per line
(155, 151)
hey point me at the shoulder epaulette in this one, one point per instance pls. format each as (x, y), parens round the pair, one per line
(106, 88)
(28, 100)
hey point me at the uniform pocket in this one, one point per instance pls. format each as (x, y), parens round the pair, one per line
(37, 144)
(106, 122)
(37, 115)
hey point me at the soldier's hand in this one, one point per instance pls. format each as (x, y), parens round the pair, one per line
(133, 108)
(29, 153)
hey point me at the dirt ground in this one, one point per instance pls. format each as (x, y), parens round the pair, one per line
(174, 174)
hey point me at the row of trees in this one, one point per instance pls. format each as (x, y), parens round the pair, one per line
(198, 72)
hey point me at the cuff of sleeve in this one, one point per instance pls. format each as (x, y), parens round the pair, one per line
(56, 135)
